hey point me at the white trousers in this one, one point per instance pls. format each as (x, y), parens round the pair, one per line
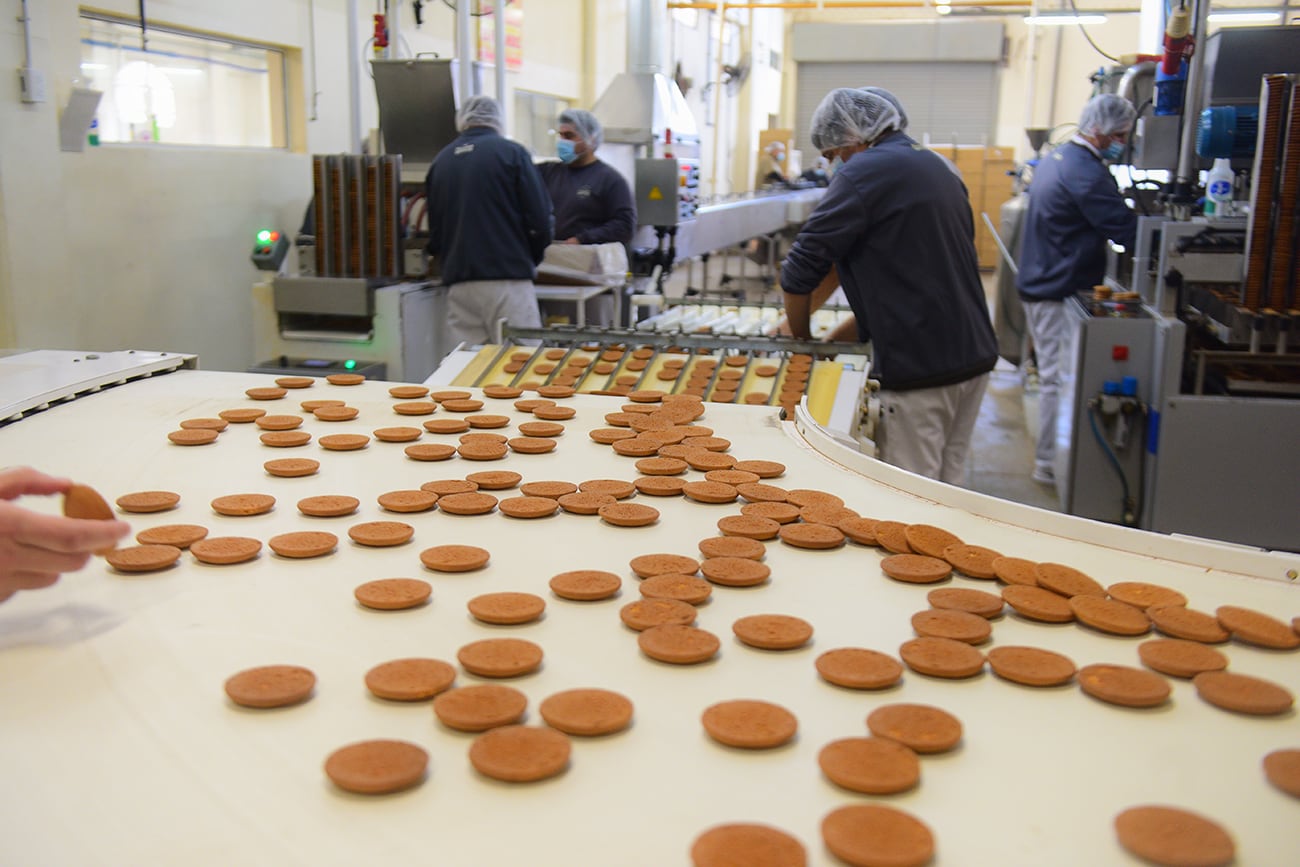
(1049, 325)
(928, 430)
(476, 307)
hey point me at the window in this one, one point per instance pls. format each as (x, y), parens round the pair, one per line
(185, 89)
(535, 116)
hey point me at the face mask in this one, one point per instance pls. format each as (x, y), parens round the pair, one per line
(780, 158)
(836, 165)
(564, 149)
(1113, 152)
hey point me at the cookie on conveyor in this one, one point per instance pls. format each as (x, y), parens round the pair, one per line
(507, 609)
(749, 724)
(773, 631)
(520, 754)
(678, 645)
(407, 501)
(915, 568)
(454, 558)
(873, 766)
(1124, 686)
(343, 442)
(304, 544)
(649, 565)
(291, 468)
(660, 486)
(747, 844)
(948, 623)
(859, 668)
(377, 767)
(683, 588)
(869, 835)
(1178, 621)
(469, 503)
(587, 712)
(892, 536)
(733, 546)
(1178, 657)
(480, 707)
(179, 535)
(225, 550)
(328, 505)
(735, 571)
(921, 727)
(941, 657)
(243, 505)
(1256, 627)
(1142, 595)
(1067, 581)
(528, 507)
(1242, 693)
(929, 540)
(860, 530)
(411, 679)
(500, 657)
(987, 605)
(271, 686)
(1016, 570)
(973, 561)
(1174, 837)
(585, 585)
(628, 514)
(381, 534)
(142, 558)
(393, 594)
(1031, 666)
(749, 527)
(1110, 615)
(645, 613)
(815, 537)
(1282, 769)
(147, 501)
(1036, 603)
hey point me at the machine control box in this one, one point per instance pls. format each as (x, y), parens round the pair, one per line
(667, 190)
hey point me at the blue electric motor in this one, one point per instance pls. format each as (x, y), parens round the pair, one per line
(1228, 131)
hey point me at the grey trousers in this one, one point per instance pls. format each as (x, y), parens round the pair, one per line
(928, 430)
(475, 309)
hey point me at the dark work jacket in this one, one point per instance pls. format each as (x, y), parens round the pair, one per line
(592, 203)
(1074, 208)
(897, 224)
(489, 215)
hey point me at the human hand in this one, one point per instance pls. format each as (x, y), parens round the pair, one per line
(571, 241)
(36, 548)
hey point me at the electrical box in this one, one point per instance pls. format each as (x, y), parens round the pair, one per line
(269, 250)
(667, 190)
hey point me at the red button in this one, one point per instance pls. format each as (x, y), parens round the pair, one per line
(1119, 353)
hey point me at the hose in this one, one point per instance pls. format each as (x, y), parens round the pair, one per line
(1128, 507)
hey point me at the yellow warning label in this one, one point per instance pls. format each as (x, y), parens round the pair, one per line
(655, 194)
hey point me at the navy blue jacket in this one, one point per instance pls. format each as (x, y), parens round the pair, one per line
(489, 215)
(592, 203)
(1074, 208)
(897, 224)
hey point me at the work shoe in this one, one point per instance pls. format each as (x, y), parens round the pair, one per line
(1044, 474)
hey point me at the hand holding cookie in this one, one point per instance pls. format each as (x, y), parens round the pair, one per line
(36, 548)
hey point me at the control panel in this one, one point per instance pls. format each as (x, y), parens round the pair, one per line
(667, 190)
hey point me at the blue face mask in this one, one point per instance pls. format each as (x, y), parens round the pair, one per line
(779, 157)
(564, 149)
(836, 165)
(1113, 152)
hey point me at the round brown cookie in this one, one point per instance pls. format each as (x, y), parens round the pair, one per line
(216, 424)
(1178, 621)
(661, 466)
(243, 505)
(541, 428)
(520, 754)
(749, 527)
(381, 534)
(528, 507)
(709, 492)
(461, 404)
(892, 536)
(649, 565)
(328, 505)
(313, 405)
(397, 434)
(345, 378)
(415, 407)
(747, 844)
(1038, 604)
(683, 588)
(470, 503)
(616, 488)
(1031, 666)
(1174, 837)
(271, 686)
(733, 546)
(177, 535)
(141, 502)
(649, 611)
(987, 605)
(1139, 594)
(225, 550)
(336, 413)
(873, 766)
(773, 631)
(500, 657)
(705, 461)
(619, 419)
(481, 437)
(585, 585)
(553, 414)
(454, 558)
(408, 392)
(929, 540)
(446, 425)
(241, 415)
(478, 451)
(1256, 627)
(345, 442)
(628, 514)
(1110, 615)
(507, 609)
(735, 478)
(915, 568)
(587, 712)
(84, 502)
(1067, 581)
(142, 558)
(830, 515)
(556, 391)
(302, 545)
(972, 561)
(1179, 658)
(393, 594)
(1124, 686)
(532, 445)
(377, 767)
(610, 435)
(449, 394)
(480, 707)
(660, 486)
(279, 422)
(1282, 768)
(501, 392)
(265, 393)
(941, 657)
(290, 468)
(643, 423)
(585, 502)
(646, 396)
(678, 645)
(921, 727)
(947, 623)
(873, 836)
(762, 469)
(859, 668)
(1016, 570)
(735, 571)
(636, 448)
(552, 490)
(749, 724)
(859, 529)
(531, 404)
(1243, 693)
(410, 679)
(407, 501)
(782, 513)
(485, 421)
(815, 537)
(285, 439)
(443, 487)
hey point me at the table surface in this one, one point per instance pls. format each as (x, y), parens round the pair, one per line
(120, 747)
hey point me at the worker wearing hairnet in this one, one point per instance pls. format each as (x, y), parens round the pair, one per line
(897, 225)
(489, 225)
(593, 202)
(772, 168)
(1074, 208)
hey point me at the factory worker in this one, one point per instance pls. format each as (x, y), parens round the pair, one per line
(35, 548)
(593, 202)
(771, 168)
(1074, 208)
(489, 225)
(897, 225)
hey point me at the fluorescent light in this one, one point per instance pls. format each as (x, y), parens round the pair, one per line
(943, 9)
(1062, 20)
(1243, 17)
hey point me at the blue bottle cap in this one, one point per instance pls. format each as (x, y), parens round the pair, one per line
(1129, 386)
(1110, 386)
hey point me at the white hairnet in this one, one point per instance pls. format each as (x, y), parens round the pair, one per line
(586, 125)
(847, 116)
(892, 100)
(1106, 114)
(479, 111)
(774, 147)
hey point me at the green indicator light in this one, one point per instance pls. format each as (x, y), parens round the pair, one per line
(264, 235)
(350, 364)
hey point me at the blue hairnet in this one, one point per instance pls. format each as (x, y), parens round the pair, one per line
(892, 100)
(847, 116)
(1106, 114)
(480, 111)
(586, 125)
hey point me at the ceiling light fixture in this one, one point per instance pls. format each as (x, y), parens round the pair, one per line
(1063, 20)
